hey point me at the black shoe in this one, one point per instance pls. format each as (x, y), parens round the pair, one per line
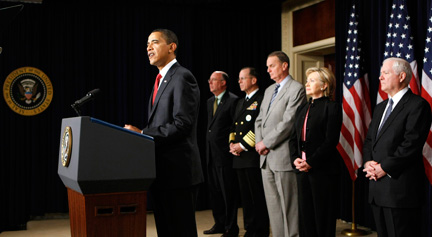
(231, 233)
(214, 230)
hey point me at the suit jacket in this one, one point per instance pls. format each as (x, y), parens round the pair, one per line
(218, 129)
(273, 126)
(243, 130)
(322, 135)
(172, 121)
(398, 148)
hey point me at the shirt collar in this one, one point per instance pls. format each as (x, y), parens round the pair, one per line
(219, 97)
(165, 69)
(252, 93)
(284, 81)
(398, 96)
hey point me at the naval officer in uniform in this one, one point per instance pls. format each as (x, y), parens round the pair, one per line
(246, 158)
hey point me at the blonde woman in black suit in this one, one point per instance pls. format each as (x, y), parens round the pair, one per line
(314, 154)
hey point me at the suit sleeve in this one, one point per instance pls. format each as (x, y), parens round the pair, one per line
(233, 126)
(283, 129)
(293, 140)
(238, 107)
(332, 132)
(185, 104)
(248, 140)
(418, 123)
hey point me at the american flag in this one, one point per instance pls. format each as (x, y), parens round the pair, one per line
(399, 43)
(356, 101)
(426, 92)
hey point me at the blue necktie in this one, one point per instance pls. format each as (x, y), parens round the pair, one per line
(274, 94)
(387, 114)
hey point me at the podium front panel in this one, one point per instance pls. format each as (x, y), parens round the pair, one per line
(105, 158)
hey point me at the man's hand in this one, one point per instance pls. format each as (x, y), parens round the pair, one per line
(379, 172)
(132, 128)
(370, 170)
(374, 170)
(261, 148)
(235, 149)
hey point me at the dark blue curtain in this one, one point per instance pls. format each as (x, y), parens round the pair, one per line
(373, 21)
(82, 46)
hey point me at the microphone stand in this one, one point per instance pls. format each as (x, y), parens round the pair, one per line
(90, 96)
(77, 109)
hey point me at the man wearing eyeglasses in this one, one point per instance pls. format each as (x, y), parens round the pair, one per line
(222, 181)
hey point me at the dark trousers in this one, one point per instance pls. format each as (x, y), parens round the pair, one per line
(255, 215)
(397, 222)
(317, 195)
(174, 211)
(223, 190)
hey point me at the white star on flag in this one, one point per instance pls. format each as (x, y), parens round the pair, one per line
(356, 103)
(399, 44)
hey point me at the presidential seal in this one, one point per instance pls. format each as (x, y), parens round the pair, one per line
(66, 146)
(28, 91)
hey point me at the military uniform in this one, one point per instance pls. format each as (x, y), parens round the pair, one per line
(255, 214)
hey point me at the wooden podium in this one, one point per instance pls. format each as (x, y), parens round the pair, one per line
(107, 171)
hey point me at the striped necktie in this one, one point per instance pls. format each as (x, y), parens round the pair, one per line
(387, 114)
(274, 94)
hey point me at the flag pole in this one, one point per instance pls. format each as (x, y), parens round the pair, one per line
(354, 231)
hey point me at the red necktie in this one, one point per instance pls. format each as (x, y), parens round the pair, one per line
(156, 87)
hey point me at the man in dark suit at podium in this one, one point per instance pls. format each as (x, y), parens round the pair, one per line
(172, 121)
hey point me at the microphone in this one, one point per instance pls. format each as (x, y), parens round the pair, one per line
(90, 96)
(87, 98)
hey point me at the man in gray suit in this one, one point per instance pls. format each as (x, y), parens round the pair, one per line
(272, 129)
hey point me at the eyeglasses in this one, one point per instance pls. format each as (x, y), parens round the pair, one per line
(244, 78)
(213, 80)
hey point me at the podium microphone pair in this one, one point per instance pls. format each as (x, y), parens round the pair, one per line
(90, 96)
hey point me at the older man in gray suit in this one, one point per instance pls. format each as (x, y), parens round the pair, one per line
(272, 129)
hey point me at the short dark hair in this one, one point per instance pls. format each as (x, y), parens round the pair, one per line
(169, 36)
(281, 56)
(252, 71)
